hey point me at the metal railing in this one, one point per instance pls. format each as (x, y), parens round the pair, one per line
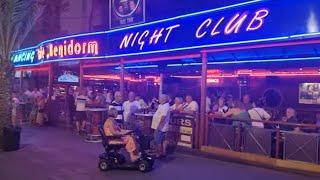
(271, 142)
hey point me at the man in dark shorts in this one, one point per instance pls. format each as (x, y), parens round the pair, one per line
(81, 114)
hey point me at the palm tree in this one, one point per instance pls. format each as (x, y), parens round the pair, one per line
(16, 20)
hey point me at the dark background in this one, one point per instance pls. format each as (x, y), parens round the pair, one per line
(161, 9)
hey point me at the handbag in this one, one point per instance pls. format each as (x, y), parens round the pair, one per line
(262, 118)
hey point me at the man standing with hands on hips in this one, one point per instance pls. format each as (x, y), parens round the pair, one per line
(160, 124)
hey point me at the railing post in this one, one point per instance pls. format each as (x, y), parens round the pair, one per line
(278, 139)
(238, 138)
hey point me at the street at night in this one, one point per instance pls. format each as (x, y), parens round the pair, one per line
(53, 153)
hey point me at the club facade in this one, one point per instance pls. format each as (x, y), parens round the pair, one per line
(268, 48)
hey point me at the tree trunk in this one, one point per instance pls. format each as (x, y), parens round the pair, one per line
(6, 82)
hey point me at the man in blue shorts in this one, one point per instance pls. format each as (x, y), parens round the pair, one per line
(160, 124)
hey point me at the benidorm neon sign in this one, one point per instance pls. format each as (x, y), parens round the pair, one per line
(67, 48)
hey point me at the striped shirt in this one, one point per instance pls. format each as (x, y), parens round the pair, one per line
(118, 106)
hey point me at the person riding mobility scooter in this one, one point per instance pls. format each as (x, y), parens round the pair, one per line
(115, 139)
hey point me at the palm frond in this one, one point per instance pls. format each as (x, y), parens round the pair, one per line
(16, 20)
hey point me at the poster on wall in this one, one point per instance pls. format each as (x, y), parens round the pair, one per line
(309, 93)
(67, 73)
(126, 12)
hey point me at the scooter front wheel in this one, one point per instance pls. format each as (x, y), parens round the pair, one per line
(144, 166)
(104, 165)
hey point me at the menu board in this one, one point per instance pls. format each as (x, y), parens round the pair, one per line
(182, 129)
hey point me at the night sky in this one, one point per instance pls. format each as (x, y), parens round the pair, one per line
(160, 9)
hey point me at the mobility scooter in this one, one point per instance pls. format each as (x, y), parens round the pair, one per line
(112, 159)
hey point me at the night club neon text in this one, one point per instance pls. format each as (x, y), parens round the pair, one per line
(239, 22)
(234, 25)
(141, 38)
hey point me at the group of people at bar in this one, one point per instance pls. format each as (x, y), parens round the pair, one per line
(122, 113)
(34, 106)
(121, 116)
(254, 113)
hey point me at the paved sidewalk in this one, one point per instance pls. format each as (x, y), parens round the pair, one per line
(50, 153)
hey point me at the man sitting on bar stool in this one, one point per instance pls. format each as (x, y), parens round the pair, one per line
(290, 117)
(160, 124)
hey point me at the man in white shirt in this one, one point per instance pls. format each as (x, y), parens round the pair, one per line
(81, 116)
(160, 124)
(130, 107)
(258, 113)
(190, 106)
(117, 104)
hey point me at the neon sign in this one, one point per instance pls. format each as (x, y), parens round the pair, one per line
(232, 26)
(245, 23)
(66, 49)
(23, 57)
(139, 38)
(251, 22)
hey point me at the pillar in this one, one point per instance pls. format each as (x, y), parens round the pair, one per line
(81, 75)
(122, 77)
(161, 84)
(21, 81)
(50, 81)
(203, 114)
